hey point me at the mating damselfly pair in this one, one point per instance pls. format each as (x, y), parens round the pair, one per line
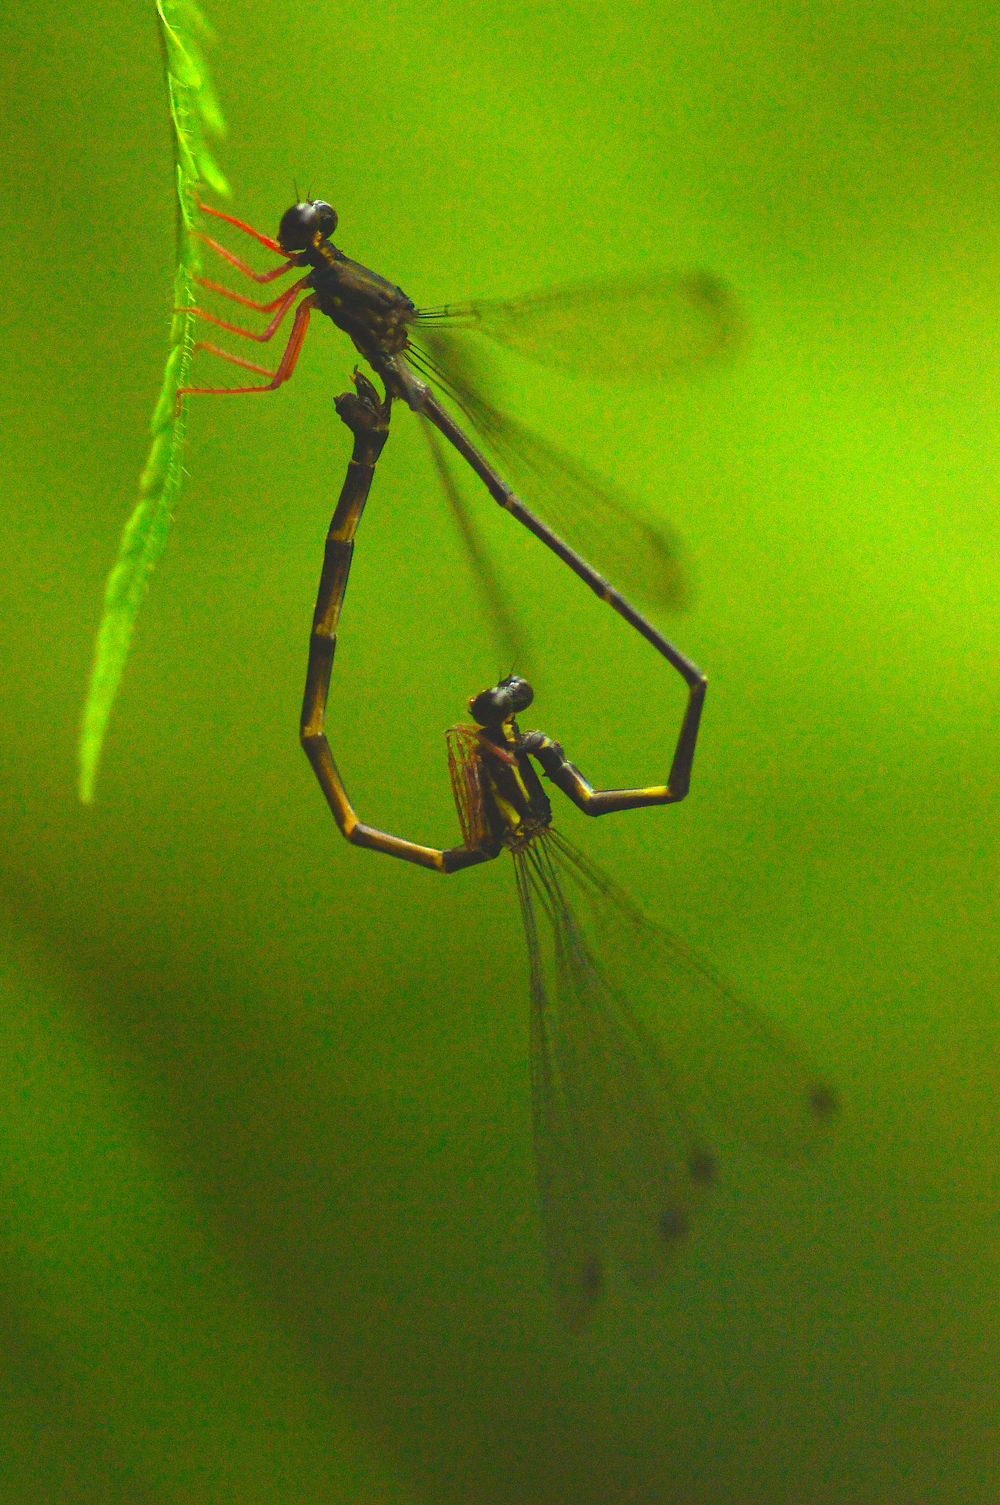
(638, 1050)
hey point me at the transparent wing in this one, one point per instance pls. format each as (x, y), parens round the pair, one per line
(620, 1159)
(465, 766)
(612, 531)
(724, 1056)
(648, 329)
(636, 1047)
(565, 1191)
(508, 630)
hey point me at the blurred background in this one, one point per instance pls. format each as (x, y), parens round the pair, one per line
(267, 1218)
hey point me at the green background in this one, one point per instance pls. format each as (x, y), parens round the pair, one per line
(267, 1215)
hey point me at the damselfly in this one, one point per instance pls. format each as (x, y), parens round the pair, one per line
(639, 1052)
(646, 329)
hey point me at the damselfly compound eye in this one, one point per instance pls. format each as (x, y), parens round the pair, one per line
(301, 224)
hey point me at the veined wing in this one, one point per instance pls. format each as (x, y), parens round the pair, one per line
(465, 767)
(725, 1058)
(620, 1159)
(509, 631)
(643, 329)
(566, 1193)
(590, 512)
(636, 1047)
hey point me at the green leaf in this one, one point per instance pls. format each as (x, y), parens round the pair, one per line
(194, 115)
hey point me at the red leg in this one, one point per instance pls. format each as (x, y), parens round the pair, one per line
(262, 308)
(294, 347)
(247, 271)
(282, 304)
(237, 360)
(286, 365)
(265, 240)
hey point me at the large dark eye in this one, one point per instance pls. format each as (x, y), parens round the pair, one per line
(511, 695)
(300, 224)
(326, 218)
(520, 692)
(487, 708)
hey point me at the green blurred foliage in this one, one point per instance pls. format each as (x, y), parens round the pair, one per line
(269, 1212)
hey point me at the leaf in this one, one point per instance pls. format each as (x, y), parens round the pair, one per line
(194, 115)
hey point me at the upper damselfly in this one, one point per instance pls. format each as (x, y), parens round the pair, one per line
(646, 328)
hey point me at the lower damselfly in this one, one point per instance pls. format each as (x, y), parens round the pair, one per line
(640, 1054)
(646, 328)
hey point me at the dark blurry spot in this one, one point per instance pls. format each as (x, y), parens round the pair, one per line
(823, 1101)
(592, 1277)
(701, 1168)
(674, 1224)
(704, 288)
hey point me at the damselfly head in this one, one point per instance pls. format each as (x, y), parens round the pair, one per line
(492, 707)
(303, 223)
